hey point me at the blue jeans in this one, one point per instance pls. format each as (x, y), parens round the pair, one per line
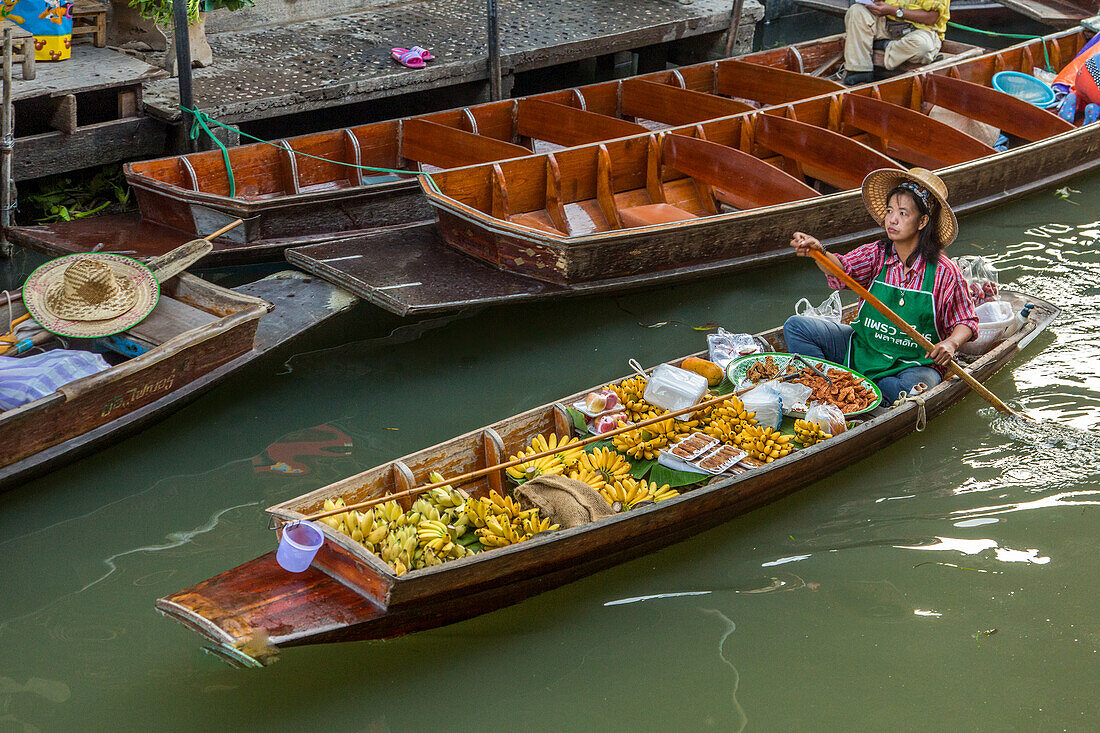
(821, 338)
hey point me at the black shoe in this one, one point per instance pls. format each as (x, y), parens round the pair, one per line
(853, 78)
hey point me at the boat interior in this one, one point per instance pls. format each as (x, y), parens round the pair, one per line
(792, 152)
(507, 129)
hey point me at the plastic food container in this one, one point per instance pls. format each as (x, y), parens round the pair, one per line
(996, 321)
(673, 388)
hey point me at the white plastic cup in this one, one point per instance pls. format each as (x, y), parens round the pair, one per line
(298, 546)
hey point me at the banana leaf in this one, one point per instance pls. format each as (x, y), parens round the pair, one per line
(662, 475)
(579, 421)
(638, 469)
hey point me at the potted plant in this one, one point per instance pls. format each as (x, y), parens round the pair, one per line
(160, 12)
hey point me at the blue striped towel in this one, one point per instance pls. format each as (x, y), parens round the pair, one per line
(26, 379)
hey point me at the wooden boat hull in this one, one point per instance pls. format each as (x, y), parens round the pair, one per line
(258, 600)
(90, 413)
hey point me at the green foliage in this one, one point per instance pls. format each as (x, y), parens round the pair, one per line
(160, 11)
(75, 196)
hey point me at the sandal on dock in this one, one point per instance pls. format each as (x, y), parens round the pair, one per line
(424, 53)
(407, 57)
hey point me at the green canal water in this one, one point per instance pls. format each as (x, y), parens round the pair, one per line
(947, 582)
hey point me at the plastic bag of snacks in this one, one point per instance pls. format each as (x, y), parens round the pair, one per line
(725, 346)
(827, 417)
(831, 309)
(794, 396)
(981, 278)
(767, 402)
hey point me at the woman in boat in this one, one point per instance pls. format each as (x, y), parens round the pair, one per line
(907, 272)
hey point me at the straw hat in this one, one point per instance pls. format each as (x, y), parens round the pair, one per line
(90, 295)
(878, 184)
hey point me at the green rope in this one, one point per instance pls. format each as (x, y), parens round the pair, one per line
(1046, 53)
(201, 119)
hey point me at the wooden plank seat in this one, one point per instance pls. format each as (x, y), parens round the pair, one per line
(569, 126)
(911, 136)
(645, 215)
(446, 147)
(739, 179)
(674, 106)
(1003, 111)
(822, 154)
(769, 85)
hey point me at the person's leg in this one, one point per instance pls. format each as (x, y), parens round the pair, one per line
(918, 45)
(859, 35)
(905, 380)
(819, 338)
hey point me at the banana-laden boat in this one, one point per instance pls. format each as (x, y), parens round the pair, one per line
(196, 336)
(350, 593)
(298, 191)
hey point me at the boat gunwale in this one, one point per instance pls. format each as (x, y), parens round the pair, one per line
(936, 399)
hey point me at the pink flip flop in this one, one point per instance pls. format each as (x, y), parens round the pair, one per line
(424, 53)
(407, 57)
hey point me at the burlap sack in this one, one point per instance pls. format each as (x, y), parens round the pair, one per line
(563, 501)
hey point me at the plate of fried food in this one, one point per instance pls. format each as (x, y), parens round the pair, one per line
(837, 385)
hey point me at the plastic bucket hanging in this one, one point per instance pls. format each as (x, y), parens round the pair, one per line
(51, 23)
(298, 546)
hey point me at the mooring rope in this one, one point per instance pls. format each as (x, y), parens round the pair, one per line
(1026, 36)
(200, 125)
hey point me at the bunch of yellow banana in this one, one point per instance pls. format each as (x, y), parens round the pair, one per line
(593, 478)
(640, 444)
(628, 492)
(631, 396)
(764, 444)
(809, 433)
(567, 450)
(607, 463)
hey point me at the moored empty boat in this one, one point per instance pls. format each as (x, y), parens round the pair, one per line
(351, 593)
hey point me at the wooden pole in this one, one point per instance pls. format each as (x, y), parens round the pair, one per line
(735, 25)
(494, 52)
(7, 145)
(489, 469)
(182, 42)
(913, 333)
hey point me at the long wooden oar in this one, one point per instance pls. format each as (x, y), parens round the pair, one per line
(913, 333)
(515, 462)
(172, 263)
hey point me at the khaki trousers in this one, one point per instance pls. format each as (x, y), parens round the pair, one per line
(863, 28)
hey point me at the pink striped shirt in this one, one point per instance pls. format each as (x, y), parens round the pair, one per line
(949, 292)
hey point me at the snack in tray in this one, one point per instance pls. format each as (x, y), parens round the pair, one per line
(847, 391)
(693, 445)
(762, 371)
(721, 458)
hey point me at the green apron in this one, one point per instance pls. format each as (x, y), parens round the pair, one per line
(880, 349)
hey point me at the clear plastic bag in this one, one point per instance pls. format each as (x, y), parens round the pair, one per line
(794, 396)
(724, 346)
(828, 417)
(831, 309)
(981, 278)
(767, 402)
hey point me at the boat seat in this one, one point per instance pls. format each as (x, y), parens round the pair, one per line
(649, 214)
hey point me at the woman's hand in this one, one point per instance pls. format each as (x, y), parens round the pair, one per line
(803, 244)
(943, 352)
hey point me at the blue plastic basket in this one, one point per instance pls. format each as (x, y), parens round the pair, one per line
(1024, 86)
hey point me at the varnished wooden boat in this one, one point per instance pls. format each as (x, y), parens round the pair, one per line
(728, 192)
(1055, 13)
(349, 594)
(198, 335)
(288, 198)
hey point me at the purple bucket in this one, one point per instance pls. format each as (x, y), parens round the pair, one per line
(298, 546)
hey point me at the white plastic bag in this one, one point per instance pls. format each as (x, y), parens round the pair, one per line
(827, 417)
(831, 309)
(724, 346)
(767, 402)
(981, 278)
(794, 396)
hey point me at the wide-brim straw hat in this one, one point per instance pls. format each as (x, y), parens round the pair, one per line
(90, 295)
(878, 185)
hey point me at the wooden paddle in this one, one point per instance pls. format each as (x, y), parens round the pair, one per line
(515, 462)
(170, 264)
(913, 333)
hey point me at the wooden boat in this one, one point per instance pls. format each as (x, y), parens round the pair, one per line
(1055, 13)
(198, 334)
(288, 198)
(349, 594)
(727, 193)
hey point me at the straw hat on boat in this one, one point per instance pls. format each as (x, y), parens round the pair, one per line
(90, 295)
(878, 185)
